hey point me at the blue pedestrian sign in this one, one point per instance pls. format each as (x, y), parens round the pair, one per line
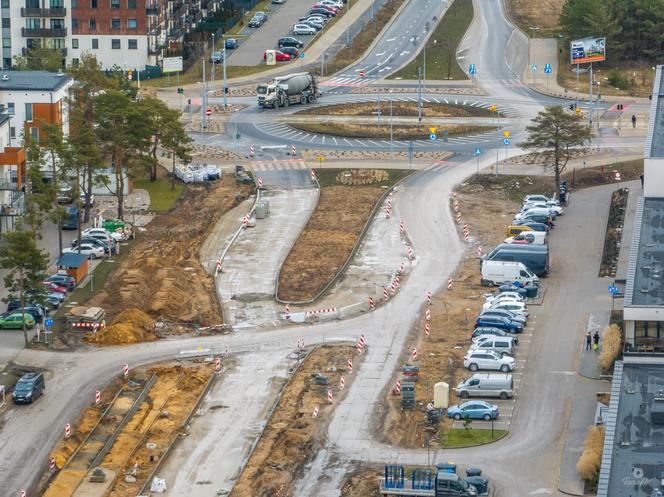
(433, 137)
(301, 55)
(478, 151)
(506, 141)
(547, 68)
(613, 290)
(534, 67)
(472, 69)
(48, 322)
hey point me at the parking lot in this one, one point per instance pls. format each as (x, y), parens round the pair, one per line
(254, 41)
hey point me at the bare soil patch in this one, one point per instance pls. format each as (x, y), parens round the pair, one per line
(292, 435)
(399, 132)
(614, 229)
(362, 483)
(399, 109)
(543, 15)
(162, 277)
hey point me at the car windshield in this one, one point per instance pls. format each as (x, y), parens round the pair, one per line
(23, 386)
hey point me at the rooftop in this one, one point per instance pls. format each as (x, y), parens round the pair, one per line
(71, 260)
(645, 269)
(655, 138)
(33, 81)
(633, 458)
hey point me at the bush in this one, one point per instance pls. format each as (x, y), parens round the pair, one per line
(591, 458)
(611, 347)
(362, 176)
(617, 80)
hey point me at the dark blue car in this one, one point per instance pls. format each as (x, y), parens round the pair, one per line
(500, 323)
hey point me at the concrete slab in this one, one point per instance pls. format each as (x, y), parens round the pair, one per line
(581, 418)
(89, 489)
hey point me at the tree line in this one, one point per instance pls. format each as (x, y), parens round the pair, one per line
(633, 28)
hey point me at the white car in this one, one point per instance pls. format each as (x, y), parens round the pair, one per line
(540, 198)
(538, 211)
(487, 359)
(332, 3)
(543, 205)
(103, 234)
(511, 296)
(303, 29)
(507, 305)
(91, 251)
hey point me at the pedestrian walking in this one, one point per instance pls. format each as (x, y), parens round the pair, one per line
(589, 340)
(641, 178)
(633, 121)
(596, 341)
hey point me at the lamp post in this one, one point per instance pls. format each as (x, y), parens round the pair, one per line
(213, 62)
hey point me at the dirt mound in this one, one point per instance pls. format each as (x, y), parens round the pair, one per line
(163, 276)
(131, 326)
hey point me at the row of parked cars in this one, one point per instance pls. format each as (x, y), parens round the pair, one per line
(318, 16)
(513, 265)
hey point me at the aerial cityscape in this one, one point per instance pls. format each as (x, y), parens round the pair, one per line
(331, 248)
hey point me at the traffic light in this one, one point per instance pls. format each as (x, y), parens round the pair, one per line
(620, 107)
(129, 74)
(226, 90)
(571, 106)
(181, 91)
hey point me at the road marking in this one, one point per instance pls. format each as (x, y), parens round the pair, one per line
(349, 143)
(538, 491)
(380, 54)
(334, 140)
(566, 373)
(389, 40)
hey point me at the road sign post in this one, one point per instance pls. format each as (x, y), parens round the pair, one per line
(547, 71)
(613, 291)
(478, 152)
(472, 70)
(410, 154)
(320, 158)
(506, 141)
(534, 69)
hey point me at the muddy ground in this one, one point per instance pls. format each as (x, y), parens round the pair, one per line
(292, 435)
(163, 278)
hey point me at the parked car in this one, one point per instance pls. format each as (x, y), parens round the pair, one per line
(63, 280)
(103, 234)
(503, 313)
(500, 272)
(92, 251)
(322, 11)
(14, 320)
(82, 199)
(540, 198)
(535, 226)
(489, 331)
(481, 359)
(519, 308)
(279, 56)
(36, 312)
(474, 409)
(258, 20)
(332, 3)
(14, 304)
(526, 237)
(52, 287)
(537, 210)
(534, 257)
(303, 29)
(278, 2)
(293, 52)
(108, 248)
(313, 24)
(28, 388)
(328, 8)
(486, 385)
(231, 44)
(516, 230)
(216, 57)
(503, 296)
(501, 345)
(544, 205)
(500, 322)
(289, 41)
(65, 195)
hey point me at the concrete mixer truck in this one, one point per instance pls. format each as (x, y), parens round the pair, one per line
(282, 91)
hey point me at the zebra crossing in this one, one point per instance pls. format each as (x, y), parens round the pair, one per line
(342, 80)
(278, 165)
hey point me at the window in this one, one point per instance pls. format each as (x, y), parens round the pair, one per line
(57, 24)
(56, 4)
(58, 43)
(34, 134)
(75, 62)
(115, 44)
(74, 23)
(95, 43)
(12, 132)
(6, 22)
(115, 23)
(4, 4)
(93, 24)
(131, 23)
(74, 4)
(74, 42)
(6, 43)
(28, 112)
(10, 107)
(132, 44)
(115, 4)
(93, 4)
(33, 23)
(131, 4)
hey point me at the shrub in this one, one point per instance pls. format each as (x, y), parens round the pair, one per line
(362, 176)
(617, 80)
(591, 458)
(611, 347)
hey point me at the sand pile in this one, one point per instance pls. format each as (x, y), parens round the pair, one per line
(130, 326)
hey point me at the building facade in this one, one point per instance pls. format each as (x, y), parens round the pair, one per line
(12, 178)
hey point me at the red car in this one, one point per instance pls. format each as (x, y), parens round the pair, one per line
(53, 287)
(329, 8)
(280, 56)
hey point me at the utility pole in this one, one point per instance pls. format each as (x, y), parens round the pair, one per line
(379, 107)
(419, 98)
(204, 99)
(391, 126)
(348, 25)
(213, 47)
(590, 100)
(224, 63)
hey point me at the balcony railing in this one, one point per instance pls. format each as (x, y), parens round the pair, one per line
(8, 185)
(647, 345)
(52, 12)
(15, 207)
(44, 32)
(26, 51)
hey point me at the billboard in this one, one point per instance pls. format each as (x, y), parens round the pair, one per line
(171, 64)
(588, 50)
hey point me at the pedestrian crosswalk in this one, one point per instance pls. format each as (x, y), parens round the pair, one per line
(278, 165)
(346, 81)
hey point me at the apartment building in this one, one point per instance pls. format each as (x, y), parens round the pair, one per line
(12, 178)
(129, 34)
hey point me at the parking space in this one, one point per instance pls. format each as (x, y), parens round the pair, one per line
(253, 42)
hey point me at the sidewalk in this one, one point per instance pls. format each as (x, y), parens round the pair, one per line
(588, 366)
(581, 417)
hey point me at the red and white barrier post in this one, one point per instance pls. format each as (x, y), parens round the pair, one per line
(329, 396)
(217, 364)
(259, 183)
(410, 253)
(51, 464)
(427, 329)
(67, 430)
(401, 227)
(479, 251)
(427, 314)
(372, 306)
(125, 371)
(350, 365)
(292, 150)
(397, 388)
(315, 413)
(97, 397)
(428, 298)
(252, 151)
(385, 294)
(287, 312)
(414, 354)
(342, 382)
(449, 283)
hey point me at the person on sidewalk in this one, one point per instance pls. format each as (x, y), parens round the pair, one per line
(596, 341)
(633, 121)
(641, 178)
(589, 340)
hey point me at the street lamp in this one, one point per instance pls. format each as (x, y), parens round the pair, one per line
(213, 62)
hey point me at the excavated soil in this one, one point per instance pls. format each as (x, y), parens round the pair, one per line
(132, 326)
(440, 357)
(326, 241)
(364, 483)
(292, 436)
(163, 277)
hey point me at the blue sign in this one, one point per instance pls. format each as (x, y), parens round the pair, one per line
(534, 67)
(478, 151)
(301, 55)
(613, 290)
(547, 68)
(48, 322)
(506, 141)
(433, 137)
(472, 69)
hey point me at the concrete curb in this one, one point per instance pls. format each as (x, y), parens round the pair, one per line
(350, 257)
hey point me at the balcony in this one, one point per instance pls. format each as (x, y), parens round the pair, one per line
(35, 12)
(644, 345)
(152, 10)
(26, 51)
(15, 206)
(44, 32)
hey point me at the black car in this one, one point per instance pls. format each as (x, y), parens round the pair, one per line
(108, 249)
(258, 20)
(63, 280)
(324, 12)
(16, 304)
(28, 388)
(292, 51)
(289, 41)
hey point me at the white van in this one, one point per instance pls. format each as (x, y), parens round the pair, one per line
(501, 272)
(486, 385)
(528, 237)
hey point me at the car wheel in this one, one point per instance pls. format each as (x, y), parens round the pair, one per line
(505, 368)
(464, 395)
(503, 395)
(457, 416)
(92, 256)
(473, 367)
(310, 98)
(286, 103)
(487, 417)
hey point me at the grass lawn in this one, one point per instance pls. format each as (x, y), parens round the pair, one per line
(456, 438)
(328, 177)
(442, 45)
(162, 196)
(429, 109)
(398, 132)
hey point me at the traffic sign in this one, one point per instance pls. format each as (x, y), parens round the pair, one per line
(301, 55)
(472, 69)
(547, 68)
(432, 130)
(506, 141)
(577, 110)
(180, 91)
(493, 108)
(432, 137)
(506, 134)
(613, 290)
(361, 74)
(534, 67)
(48, 322)
(208, 112)
(478, 151)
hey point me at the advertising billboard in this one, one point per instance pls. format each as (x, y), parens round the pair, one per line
(588, 50)
(172, 64)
